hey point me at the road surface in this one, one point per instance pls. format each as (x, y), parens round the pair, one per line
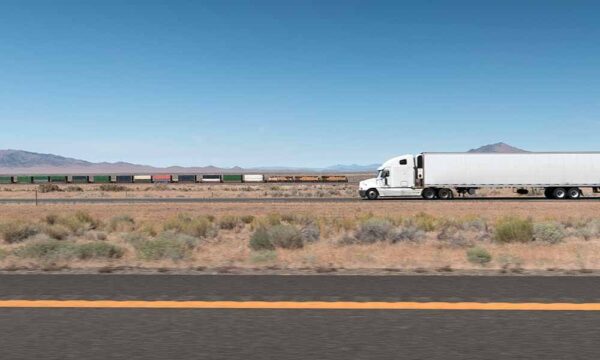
(72, 332)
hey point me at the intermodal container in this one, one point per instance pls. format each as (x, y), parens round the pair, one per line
(307, 178)
(79, 179)
(334, 178)
(58, 179)
(122, 179)
(186, 178)
(232, 178)
(113, 178)
(102, 179)
(280, 178)
(40, 179)
(142, 179)
(253, 178)
(23, 179)
(5, 179)
(210, 178)
(161, 178)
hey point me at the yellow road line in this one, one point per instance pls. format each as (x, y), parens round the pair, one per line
(313, 305)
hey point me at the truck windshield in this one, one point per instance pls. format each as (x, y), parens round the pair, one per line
(379, 173)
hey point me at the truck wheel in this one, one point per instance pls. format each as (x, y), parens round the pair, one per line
(429, 194)
(445, 194)
(372, 194)
(574, 193)
(559, 193)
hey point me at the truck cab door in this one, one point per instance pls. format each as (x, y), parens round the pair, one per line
(383, 182)
(405, 174)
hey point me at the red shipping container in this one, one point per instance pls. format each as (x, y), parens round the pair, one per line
(161, 178)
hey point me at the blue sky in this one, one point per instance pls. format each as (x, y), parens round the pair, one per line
(296, 83)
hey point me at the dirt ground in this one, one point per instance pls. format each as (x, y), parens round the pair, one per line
(202, 191)
(491, 210)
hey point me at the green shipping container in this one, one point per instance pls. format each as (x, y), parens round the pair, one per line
(232, 178)
(40, 179)
(24, 179)
(102, 179)
(79, 179)
(58, 179)
(5, 179)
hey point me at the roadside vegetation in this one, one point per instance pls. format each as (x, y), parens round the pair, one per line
(420, 242)
(248, 190)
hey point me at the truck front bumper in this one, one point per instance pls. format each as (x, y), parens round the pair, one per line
(362, 193)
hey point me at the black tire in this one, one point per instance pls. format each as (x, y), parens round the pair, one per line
(559, 193)
(574, 193)
(429, 193)
(372, 194)
(445, 194)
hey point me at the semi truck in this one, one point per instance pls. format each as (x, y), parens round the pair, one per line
(432, 175)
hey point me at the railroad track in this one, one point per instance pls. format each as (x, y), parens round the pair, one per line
(273, 200)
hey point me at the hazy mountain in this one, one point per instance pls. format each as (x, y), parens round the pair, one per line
(19, 158)
(497, 148)
(25, 162)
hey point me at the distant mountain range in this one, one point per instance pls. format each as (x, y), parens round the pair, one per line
(25, 162)
(497, 148)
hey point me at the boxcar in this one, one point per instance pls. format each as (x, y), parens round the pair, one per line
(79, 179)
(22, 179)
(40, 179)
(142, 179)
(231, 178)
(58, 178)
(209, 178)
(124, 179)
(101, 179)
(253, 178)
(5, 179)
(186, 178)
(162, 178)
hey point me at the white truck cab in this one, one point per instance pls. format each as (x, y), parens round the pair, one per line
(397, 177)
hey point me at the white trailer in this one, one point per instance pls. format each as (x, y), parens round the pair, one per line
(441, 175)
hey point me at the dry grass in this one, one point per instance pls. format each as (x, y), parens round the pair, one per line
(79, 239)
(49, 191)
(338, 212)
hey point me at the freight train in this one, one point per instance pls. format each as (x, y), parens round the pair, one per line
(171, 179)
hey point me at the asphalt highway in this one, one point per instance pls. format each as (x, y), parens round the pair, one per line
(268, 332)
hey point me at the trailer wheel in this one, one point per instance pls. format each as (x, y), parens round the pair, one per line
(445, 194)
(429, 193)
(372, 194)
(559, 193)
(574, 193)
